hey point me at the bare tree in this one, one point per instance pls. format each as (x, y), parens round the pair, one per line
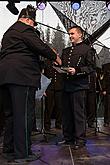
(47, 36)
(58, 40)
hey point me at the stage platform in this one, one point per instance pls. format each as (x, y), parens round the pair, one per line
(96, 151)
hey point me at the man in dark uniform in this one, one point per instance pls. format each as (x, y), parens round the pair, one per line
(79, 62)
(20, 75)
(53, 99)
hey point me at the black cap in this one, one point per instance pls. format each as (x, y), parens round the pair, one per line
(28, 12)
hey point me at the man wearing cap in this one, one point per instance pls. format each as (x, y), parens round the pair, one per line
(20, 77)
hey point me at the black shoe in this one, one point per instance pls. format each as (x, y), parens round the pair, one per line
(30, 158)
(8, 156)
(8, 153)
(65, 143)
(79, 144)
(8, 150)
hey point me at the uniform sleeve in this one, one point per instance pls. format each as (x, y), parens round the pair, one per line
(32, 40)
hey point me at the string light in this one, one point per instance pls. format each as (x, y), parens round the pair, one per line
(41, 5)
(75, 5)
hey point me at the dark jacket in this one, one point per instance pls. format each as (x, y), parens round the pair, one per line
(56, 78)
(19, 62)
(82, 58)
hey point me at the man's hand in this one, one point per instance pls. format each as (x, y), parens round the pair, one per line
(71, 70)
(104, 92)
(58, 59)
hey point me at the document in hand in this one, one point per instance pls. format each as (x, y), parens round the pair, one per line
(60, 69)
(44, 84)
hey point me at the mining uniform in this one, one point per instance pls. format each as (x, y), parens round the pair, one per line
(80, 57)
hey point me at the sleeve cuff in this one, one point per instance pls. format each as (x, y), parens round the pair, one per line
(78, 70)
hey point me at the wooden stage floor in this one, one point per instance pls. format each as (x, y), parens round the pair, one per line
(96, 151)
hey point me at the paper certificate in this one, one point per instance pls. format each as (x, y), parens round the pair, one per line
(60, 69)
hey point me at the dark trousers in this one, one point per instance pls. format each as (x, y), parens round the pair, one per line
(53, 101)
(74, 115)
(18, 114)
(2, 122)
(91, 107)
(2, 105)
(107, 108)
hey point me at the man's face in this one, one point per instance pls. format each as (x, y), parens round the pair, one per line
(75, 35)
(31, 22)
(27, 21)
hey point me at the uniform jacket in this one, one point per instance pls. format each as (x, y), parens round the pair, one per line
(82, 58)
(19, 60)
(56, 78)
